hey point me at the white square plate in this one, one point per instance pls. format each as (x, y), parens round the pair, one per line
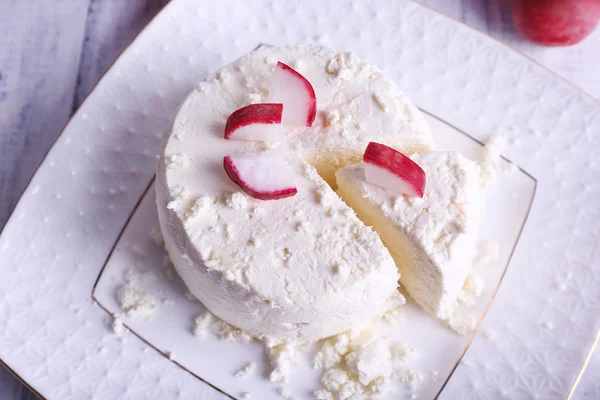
(216, 362)
(60, 235)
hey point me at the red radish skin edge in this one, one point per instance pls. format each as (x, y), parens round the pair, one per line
(312, 110)
(396, 163)
(233, 174)
(262, 113)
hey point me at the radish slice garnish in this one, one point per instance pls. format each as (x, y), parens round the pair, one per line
(255, 122)
(393, 170)
(296, 93)
(263, 175)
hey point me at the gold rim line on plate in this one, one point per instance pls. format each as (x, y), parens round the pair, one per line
(585, 364)
(113, 315)
(568, 82)
(514, 247)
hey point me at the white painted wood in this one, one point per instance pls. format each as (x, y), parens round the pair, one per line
(52, 56)
(111, 26)
(10, 387)
(40, 48)
(53, 52)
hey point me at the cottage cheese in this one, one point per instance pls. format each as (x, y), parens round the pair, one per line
(118, 327)
(303, 267)
(463, 324)
(489, 253)
(362, 366)
(491, 163)
(247, 370)
(135, 302)
(432, 239)
(473, 287)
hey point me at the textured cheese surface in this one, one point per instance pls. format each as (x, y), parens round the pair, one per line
(303, 267)
(432, 239)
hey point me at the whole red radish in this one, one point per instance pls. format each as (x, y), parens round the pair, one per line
(555, 22)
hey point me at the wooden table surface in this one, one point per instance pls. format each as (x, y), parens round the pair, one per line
(52, 52)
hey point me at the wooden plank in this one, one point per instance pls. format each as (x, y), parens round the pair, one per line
(40, 49)
(111, 27)
(10, 387)
(54, 54)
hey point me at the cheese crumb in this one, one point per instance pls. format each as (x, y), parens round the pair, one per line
(254, 98)
(135, 302)
(323, 395)
(229, 275)
(177, 196)
(200, 205)
(311, 173)
(334, 379)
(393, 315)
(118, 327)
(229, 333)
(247, 370)
(462, 325)
(322, 196)
(472, 289)
(489, 253)
(236, 201)
(285, 393)
(344, 65)
(246, 396)
(332, 117)
(282, 358)
(358, 365)
(370, 362)
(407, 375)
(202, 324)
(177, 161)
(401, 352)
(491, 163)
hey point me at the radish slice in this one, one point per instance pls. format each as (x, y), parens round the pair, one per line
(296, 93)
(255, 122)
(393, 170)
(263, 175)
